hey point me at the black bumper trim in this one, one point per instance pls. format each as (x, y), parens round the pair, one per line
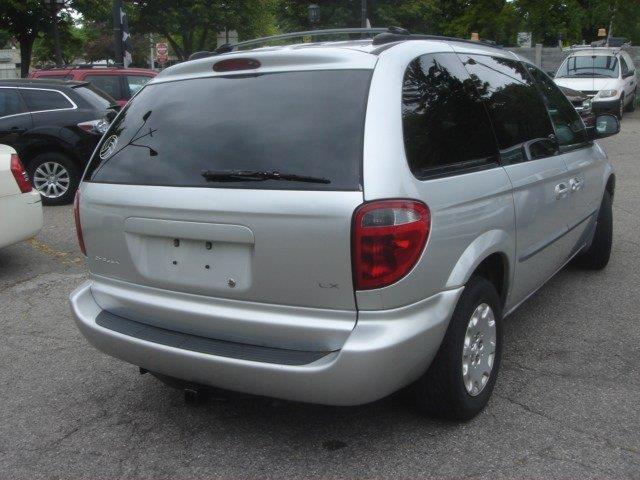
(209, 346)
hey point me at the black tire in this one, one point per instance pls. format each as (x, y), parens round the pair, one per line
(621, 108)
(631, 107)
(68, 165)
(441, 391)
(596, 257)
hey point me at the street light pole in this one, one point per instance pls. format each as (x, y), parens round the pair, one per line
(117, 32)
(364, 14)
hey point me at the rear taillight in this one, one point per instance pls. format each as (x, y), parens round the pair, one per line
(96, 127)
(76, 217)
(20, 174)
(388, 237)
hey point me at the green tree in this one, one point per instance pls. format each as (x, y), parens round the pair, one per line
(495, 20)
(5, 37)
(24, 19)
(188, 25)
(72, 41)
(547, 19)
(598, 14)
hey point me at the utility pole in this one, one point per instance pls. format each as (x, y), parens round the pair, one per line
(364, 14)
(613, 16)
(117, 32)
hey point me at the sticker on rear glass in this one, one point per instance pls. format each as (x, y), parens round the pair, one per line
(108, 147)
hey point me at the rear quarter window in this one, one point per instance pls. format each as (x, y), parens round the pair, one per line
(301, 123)
(445, 125)
(41, 100)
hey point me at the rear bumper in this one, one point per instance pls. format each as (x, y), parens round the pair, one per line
(21, 217)
(385, 351)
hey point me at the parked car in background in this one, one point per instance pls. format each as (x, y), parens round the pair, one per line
(20, 205)
(120, 83)
(361, 219)
(606, 75)
(54, 125)
(582, 103)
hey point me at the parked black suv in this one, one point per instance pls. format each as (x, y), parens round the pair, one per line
(54, 126)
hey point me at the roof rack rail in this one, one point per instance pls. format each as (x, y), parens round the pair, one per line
(616, 46)
(81, 66)
(227, 47)
(396, 34)
(382, 36)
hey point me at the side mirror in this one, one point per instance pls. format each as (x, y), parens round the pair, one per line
(112, 112)
(551, 73)
(605, 126)
(630, 73)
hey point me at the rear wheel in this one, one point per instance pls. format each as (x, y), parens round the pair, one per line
(460, 380)
(55, 176)
(596, 257)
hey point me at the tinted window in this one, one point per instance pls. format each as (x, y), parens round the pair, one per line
(38, 100)
(97, 98)
(519, 116)
(568, 125)
(444, 122)
(136, 82)
(10, 102)
(589, 66)
(625, 68)
(303, 123)
(109, 83)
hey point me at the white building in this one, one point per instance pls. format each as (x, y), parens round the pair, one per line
(9, 63)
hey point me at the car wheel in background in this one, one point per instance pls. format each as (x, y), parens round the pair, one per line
(621, 108)
(631, 106)
(55, 176)
(459, 382)
(596, 257)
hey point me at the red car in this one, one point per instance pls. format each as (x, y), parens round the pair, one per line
(120, 83)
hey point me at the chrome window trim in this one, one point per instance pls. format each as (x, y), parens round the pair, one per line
(73, 107)
(13, 114)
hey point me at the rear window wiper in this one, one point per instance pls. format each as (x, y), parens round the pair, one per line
(257, 176)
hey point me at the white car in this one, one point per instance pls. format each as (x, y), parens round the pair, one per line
(606, 75)
(20, 205)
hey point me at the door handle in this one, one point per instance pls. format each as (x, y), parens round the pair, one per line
(576, 184)
(14, 130)
(561, 190)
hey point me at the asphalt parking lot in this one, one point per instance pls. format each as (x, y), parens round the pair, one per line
(565, 405)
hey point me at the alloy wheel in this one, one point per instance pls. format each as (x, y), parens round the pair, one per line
(51, 179)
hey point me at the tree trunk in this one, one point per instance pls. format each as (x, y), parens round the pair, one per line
(26, 49)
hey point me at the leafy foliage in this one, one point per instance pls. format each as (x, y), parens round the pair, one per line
(192, 25)
(72, 40)
(24, 19)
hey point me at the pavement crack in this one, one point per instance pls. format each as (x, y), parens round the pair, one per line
(607, 442)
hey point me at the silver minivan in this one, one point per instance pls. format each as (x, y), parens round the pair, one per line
(331, 222)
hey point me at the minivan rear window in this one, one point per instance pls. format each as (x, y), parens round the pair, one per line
(308, 123)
